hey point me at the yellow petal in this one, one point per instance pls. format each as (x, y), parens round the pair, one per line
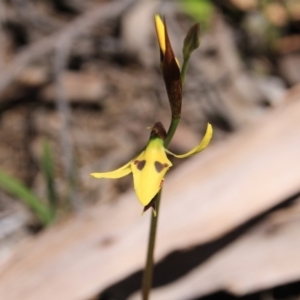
(121, 172)
(160, 31)
(149, 169)
(204, 143)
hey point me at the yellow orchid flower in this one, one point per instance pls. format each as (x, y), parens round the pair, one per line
(151, 165)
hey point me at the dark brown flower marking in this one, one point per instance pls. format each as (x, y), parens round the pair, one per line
(159, 166)
(140, 164)
(158, 130)
(152, 205)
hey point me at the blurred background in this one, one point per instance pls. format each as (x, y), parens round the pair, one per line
(79, 85)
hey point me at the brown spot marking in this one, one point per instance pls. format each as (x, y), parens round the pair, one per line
(159, 166)
(140, 164)
(161, 183)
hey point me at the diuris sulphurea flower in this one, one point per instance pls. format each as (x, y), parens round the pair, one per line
(150, 166)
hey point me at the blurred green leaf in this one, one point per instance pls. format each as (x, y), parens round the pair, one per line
(200, 10)
(48, 170)
(18, 189)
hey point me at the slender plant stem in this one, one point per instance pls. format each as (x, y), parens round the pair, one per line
(184, 68)
(171, 132)
(148, 273)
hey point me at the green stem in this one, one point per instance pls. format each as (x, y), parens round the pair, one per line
(148, 273)
(184, 68)
(171, 132)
